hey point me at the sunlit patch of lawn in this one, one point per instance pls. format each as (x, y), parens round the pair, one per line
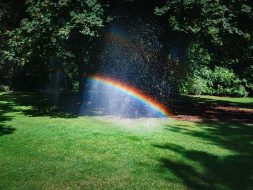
(57, 151)
(240, 102)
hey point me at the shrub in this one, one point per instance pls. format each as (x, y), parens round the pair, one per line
(220, 81)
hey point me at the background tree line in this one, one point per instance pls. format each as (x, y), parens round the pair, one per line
(217, 35)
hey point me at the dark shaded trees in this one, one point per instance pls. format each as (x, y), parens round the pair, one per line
(219, 38)
(62, 29)
(216, 35)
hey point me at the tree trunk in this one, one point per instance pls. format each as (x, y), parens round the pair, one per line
(81, 82)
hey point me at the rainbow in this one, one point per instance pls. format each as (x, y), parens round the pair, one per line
(133, 92)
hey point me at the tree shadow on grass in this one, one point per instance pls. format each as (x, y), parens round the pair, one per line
(5, 107)
(233, 171)
(6, 130)
(70, 106)
(210, 101)
(219, 110)
(65, 106)
(36, 105)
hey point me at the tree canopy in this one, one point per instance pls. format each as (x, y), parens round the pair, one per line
(218, 52)
(54, 28)
(219, 39)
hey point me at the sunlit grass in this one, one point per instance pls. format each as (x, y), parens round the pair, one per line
(229, 99)
(46, 152)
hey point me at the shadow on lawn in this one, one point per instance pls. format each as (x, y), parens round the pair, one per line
(219, 110)
(234, 171)
(32, 104)
(4, 130)
(5, 107)
(66, 106)
(69, 106)
(38, 105)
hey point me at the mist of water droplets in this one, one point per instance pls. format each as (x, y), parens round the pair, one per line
(133, 55)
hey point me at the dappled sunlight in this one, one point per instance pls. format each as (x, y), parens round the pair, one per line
(126, 94)
(153, 153)
(216, 164)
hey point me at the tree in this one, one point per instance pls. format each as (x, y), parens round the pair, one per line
(221, 31)
(11, 12)
(62, 29)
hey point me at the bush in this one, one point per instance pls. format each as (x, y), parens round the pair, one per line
(225, 82)
(220, 81)
(240, 91)
(196, 86)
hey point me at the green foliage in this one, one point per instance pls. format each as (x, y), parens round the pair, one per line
(225, 82)
(220, 81)
(198, 55)
(196, 86)
(219, 34)
(64, 29)
(48, 25)
(207, 18)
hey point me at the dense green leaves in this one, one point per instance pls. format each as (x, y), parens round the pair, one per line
(219, 32)
(220, 81)
(53, 28)
(49, 24)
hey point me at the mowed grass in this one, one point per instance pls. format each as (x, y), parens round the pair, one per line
(246, 102)
(229, 99)
(42, 148)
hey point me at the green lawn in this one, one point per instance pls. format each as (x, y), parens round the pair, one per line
(229, 99)
(42, 148)
(240, 102)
